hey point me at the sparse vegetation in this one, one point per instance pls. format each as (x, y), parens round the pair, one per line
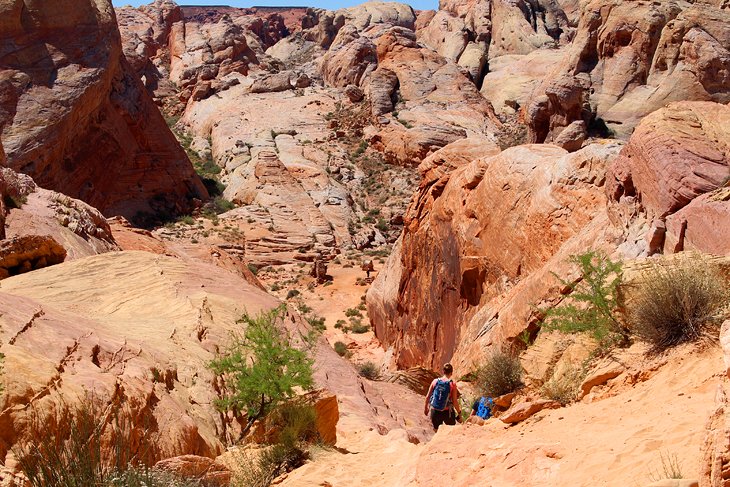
(564, 387)
(253, 268)
(296, 425)
(670, 468)
(359, 327)
(292, 294)
(592, 302)
(500, 374)
(678, 303)
(341, 349)
(262, 368)
(368, 370)
(91, 444)
(15, 201)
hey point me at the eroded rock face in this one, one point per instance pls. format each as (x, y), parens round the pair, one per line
(152, 356)
(672, 169)
(634, 58)
(477, 246)
(19, 255)
(27, 211)
(78, 120)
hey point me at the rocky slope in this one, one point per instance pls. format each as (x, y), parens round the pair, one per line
(481, 241)
(76, 118)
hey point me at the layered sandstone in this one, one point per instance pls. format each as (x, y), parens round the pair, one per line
(478, 247)
(629, 59)
(76, 118)
(673, 170)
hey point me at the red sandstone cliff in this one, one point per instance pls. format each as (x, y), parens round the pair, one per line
(77, 119)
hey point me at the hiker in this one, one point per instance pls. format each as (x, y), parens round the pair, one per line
(368, 267)
(482, 408)
(441, 398)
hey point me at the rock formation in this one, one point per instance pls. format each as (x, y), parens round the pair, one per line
(629, 59)
(476, 247)
(673, 171)
(76, 118)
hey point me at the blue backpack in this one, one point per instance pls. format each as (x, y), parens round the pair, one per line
(440, 394)
(484, 410)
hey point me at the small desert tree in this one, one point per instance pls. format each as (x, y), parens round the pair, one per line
(262, 368)
(591, 305)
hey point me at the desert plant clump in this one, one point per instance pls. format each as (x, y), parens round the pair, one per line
(296, 430)
(670, 468)
(341, 349)
(262, 368)
(565, 387)
(92, 443)
(678, 303)
(591, 306)
(368, 370)
(500, 374)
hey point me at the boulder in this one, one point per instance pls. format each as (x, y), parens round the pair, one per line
(523, 410)
(673, 167)
(494, 229)
(601, 374)
(202, 469)
(571, 138)
(24, 254)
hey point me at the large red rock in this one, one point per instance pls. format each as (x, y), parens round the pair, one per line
(672, 168)
(77, 119)
(478, 247)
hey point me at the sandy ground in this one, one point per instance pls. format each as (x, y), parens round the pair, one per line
(615, 441)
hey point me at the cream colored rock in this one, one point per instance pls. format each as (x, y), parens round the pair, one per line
(109, 345)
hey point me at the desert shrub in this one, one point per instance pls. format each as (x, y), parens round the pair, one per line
(353, 312)
(316, 322)
(267, 380)
(591, 305)
(296, 425)
(500, 374)
(292, 294)
(341, 349)
(89, 444)
(565, 387)
(12, 201)
(677, 304)
(187, 220)
(368, 370)
(359, 327)
(253, 268)
(670, 468)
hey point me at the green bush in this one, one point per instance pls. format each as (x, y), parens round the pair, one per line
(292, 294)
(296, 425)
(341, 349)
(352, 312)
(591, 305)
(368, 370)
(500, 374)
(253, 268)
(359, 327)
(262, 369)
(678, 303)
